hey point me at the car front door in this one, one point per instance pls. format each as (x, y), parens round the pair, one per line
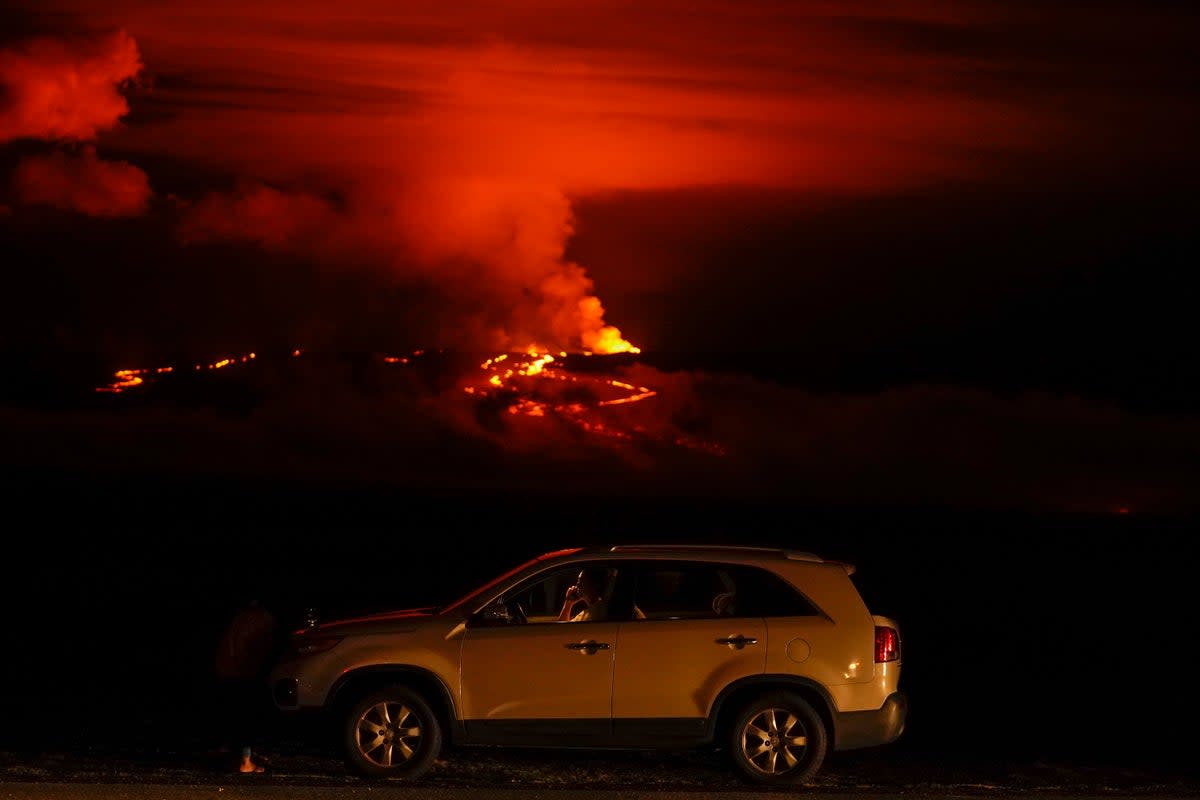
(538, 680)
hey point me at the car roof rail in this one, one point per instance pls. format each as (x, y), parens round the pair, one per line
(791, 555)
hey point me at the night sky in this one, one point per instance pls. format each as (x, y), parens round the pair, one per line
(923, 252)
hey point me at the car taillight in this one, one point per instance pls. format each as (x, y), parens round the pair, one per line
(887, 644)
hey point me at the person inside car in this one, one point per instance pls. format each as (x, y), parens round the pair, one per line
(588, 590)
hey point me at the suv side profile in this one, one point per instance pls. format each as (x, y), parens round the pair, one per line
(767, 654)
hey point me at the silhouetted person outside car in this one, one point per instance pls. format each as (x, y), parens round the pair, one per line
(244, 656)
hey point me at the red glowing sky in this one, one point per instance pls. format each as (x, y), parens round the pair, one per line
(608, 96)
(872, 199)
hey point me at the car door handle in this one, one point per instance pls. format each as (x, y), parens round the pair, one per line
(738, 642)
(590, 647)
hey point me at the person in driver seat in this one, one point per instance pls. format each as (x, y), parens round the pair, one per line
(588, 590)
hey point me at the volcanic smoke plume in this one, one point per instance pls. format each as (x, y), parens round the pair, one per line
(497, 250)
(444, 149)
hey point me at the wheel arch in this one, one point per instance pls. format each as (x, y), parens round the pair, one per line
(358, 683)
(734, 697)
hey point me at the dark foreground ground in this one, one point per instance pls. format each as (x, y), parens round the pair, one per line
(876, 773)
(1041, 652)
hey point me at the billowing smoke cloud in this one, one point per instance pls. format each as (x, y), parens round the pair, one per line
(59, 89)
(69, 90)
(269, 217)
(82, 183)
(496, 246)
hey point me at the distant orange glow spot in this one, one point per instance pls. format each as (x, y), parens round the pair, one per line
(125, 379)
(129, 378)
(537, 365)
(631, 399)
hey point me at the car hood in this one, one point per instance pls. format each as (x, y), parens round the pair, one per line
(405, 619)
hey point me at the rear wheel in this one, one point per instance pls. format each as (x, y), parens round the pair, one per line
(392, 733)
(778, 740)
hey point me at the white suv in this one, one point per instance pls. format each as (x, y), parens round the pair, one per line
(768, 654)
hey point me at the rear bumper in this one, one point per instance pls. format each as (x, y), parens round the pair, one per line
(856, 729)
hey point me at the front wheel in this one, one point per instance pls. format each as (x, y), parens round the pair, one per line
(778, 740)
(392, 733)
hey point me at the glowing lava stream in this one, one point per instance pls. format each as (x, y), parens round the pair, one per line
(503, 370)
(516, 380)
(129, 378)
(508, 370)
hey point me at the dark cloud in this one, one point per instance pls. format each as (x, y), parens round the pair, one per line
(82, 182)
(65, 89)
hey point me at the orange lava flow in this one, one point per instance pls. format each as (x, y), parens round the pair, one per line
(531, 384)
(505, 371)
(129, 378)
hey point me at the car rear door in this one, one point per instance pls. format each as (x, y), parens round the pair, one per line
(671, 664)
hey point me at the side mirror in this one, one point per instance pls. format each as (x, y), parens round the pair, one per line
(494, 614)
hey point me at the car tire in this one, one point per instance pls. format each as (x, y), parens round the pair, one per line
(392, 733)
(778, 739)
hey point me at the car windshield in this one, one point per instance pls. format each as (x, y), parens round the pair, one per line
(486, 588)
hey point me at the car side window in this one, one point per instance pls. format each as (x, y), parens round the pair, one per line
(760, 593)
(682, 590)
(541, 599)
(701, 590)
